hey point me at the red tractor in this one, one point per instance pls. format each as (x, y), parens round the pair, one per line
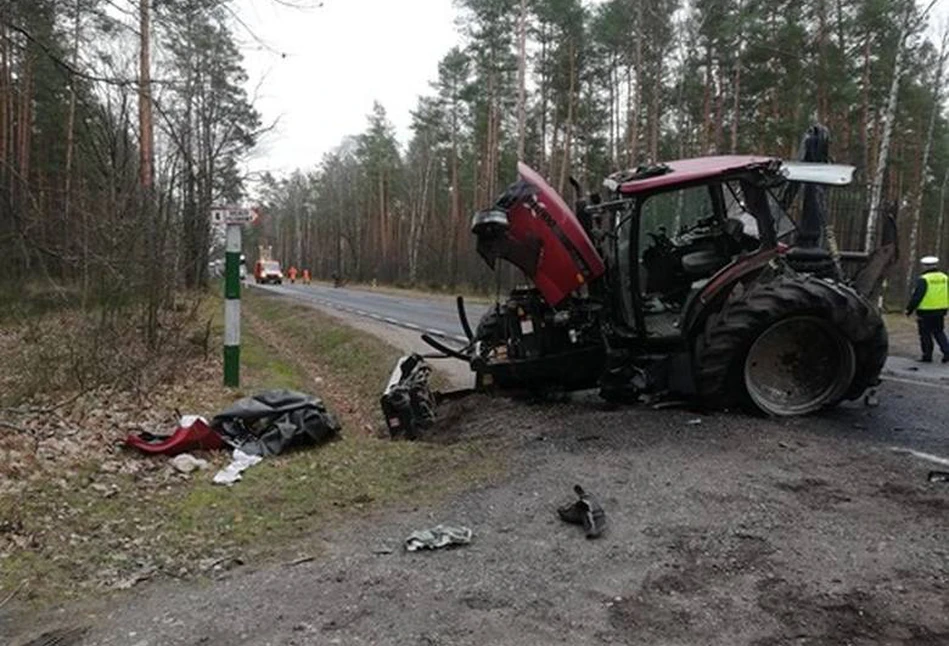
(687, 277)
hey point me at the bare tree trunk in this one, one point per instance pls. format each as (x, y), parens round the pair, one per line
(654, 114)
(942, 214)
(454, 232)
(568, 130)
(614, 113)
(543, 99)
(638, 98)
(521, 80)
(876, 189)
(6, 92)
(917, 200)
(146, 146)
(630, 120)
(70, 144)
(822, 113)
(865, 115)
(736, 104)
(707, 103)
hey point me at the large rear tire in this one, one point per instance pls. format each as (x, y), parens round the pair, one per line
(790, 346)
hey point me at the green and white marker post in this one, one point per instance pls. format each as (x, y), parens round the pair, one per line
(235, 217)
(232, 306)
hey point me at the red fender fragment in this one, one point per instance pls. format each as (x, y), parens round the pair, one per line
(185, 438)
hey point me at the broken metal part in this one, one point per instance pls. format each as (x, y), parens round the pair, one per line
(444, 349)
(586, 511)
(463, 317)
(407, 403)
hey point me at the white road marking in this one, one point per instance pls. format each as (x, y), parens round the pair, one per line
(435, 332)
(922, 456)
(914, 382)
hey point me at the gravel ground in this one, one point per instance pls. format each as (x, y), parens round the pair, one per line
(723, 529)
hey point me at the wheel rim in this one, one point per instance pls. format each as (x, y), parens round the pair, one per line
(798, 365)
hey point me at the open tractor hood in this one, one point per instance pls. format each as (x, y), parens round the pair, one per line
(532, 227)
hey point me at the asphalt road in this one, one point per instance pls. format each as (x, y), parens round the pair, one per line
(911, 413)
(436, 316)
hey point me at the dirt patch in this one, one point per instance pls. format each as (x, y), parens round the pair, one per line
(917, 496)
(850, 616)
(816, 493)
(726, 532)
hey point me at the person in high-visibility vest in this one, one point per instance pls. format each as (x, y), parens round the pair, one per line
(292, 273)
(930, 300)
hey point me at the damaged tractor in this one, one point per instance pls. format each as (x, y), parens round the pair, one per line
(688, 277)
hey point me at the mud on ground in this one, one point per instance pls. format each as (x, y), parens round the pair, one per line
(723, 529)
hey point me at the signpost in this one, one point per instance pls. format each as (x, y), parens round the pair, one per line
(235, 218)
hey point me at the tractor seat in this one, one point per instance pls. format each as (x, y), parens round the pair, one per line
(702, 263)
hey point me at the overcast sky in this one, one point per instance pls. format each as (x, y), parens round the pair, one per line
(318, 70)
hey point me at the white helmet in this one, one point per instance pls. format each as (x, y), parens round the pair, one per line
(928, 261)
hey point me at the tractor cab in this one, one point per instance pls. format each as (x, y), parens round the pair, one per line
(668, 231)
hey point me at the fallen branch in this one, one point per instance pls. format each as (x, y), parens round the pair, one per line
(13, 427)
(12, 594)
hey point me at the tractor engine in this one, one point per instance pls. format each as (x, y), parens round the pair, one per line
(526, 333)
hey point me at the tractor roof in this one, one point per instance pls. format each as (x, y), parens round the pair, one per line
(684, 171)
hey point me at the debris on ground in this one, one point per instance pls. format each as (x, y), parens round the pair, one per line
(407, 402)
(273, 421)
(60, 637)
(938, 476)
(438, 537)
(193, 433)
(186, 463)
(130, 582)
(586, 511)
(694, 422)
(240, 461)
(300, 560)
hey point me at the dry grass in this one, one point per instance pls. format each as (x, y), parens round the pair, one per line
(80, 516)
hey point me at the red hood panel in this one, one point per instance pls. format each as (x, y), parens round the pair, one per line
(566, 259)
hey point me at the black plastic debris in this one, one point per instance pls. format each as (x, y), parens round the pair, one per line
(938, 476)
(586, 511)
(407, 403)
(273, 421)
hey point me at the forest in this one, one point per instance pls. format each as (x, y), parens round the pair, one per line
(122, 122)
(587, 88)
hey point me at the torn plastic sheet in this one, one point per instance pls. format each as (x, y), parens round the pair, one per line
(438, 537)
(273, 421)
(240, 461)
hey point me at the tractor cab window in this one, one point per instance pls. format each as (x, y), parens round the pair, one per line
(686, 237)
(667, 215)
(736, 209)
